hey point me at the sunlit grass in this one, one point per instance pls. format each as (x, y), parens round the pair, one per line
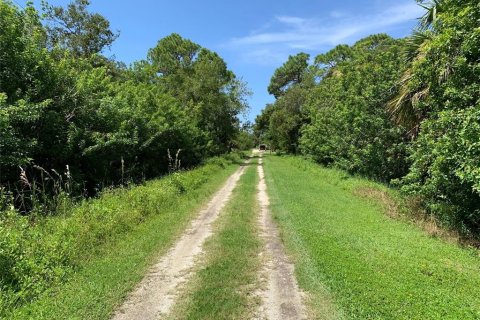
(222, 288)
(131, 228)
(367, 264)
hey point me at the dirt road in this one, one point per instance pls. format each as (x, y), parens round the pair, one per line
(281, 298)
(156, 293)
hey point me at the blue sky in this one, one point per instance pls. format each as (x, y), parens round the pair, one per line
(253, 37)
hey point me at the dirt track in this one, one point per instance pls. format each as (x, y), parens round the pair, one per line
(156, 293)
(282, 298)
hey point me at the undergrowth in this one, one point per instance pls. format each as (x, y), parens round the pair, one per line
(38, 252)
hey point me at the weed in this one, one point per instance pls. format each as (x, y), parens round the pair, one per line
(43, 252)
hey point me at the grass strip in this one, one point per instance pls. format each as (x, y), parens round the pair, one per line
(222, 288)
(105, 274)
(369, 265)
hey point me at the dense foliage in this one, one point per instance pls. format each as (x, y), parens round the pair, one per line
(35, 257)
(72, 119)
(349, 125)
(279, 124)
(406, 110)
(443, 87)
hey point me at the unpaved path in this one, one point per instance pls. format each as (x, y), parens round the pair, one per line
(282, 298)
(156, 293)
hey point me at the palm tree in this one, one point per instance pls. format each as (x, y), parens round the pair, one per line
(431, 14)
(404, 106)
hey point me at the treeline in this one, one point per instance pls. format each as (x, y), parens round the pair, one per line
(74, 120)
(405, 112)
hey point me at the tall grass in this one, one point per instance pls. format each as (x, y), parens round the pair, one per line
(36, 254)
(38, 191)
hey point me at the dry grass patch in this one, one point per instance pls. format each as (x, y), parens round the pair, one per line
(410, 209)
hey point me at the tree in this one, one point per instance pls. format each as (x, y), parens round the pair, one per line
(26, 80)
(347, 125)
(280, 122)
(61, 103)
(76, 29)
(405, 106)
(262, 125)
(245, 139)
(444, 87)
(200, 79)
(290, 73)
(173, 54)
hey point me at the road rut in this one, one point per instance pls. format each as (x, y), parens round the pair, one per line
(282, 299)
(156, 293)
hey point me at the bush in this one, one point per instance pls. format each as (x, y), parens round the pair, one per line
(349, 126)
(38, 252)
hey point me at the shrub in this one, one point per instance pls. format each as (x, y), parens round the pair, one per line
(37, 252)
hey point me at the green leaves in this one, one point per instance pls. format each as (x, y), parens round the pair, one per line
(61, 102)
(172, 54)
(75, 29)
(429, 84)
(348, 126)
(201, 81)
(445, 166)
(279, 124)
(291, 73)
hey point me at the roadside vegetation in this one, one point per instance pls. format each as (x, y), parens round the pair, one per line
(352, 256)
(102, 166)
(73, 121)
(223, 287)
(82, 263)
(75, 124)
(401, 111)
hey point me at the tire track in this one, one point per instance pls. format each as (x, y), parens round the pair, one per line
(156, 293)
(282, 299)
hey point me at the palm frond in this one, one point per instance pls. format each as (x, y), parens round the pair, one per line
(431, 15)
(415, 43)
(403, 107)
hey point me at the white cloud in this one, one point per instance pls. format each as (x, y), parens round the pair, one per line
(295, 21)
(263, 57)
(285, 33)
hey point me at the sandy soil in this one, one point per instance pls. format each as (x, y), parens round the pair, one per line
(156, 293)
(281, 299)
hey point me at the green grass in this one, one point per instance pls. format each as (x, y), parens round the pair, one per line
(351, 255)
(222, 288)
(109, 243)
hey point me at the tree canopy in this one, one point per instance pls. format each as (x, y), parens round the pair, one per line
(63, 103)
(402, 111)
(76, 29)
(289, 74)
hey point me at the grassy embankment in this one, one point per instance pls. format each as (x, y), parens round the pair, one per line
(222, 288)
(356, 261)
(81, 265)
